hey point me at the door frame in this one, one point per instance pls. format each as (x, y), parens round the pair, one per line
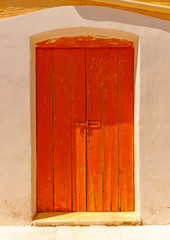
(82, 37)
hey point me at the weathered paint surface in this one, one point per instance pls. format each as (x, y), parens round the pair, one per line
(84, 42)
(152, 114)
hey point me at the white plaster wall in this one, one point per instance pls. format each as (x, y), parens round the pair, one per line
(152, 116)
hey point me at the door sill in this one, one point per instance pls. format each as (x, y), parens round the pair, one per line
(85, 219)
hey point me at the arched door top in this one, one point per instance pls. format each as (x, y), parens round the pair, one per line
(84, 42)
(84, 37)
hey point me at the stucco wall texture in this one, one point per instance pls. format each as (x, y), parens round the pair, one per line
(152, 111)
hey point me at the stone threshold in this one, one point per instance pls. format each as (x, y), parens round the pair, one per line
(86, 219)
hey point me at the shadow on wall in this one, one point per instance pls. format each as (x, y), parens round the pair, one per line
(106, 14)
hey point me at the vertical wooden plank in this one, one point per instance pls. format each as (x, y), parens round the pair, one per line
(110, 120)
(94, 86)
(44, 130)
(126, 129)
(78, 133)
(62, 129)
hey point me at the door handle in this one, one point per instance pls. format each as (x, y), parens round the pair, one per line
(93, 124)
(82, 124)
(90, 124)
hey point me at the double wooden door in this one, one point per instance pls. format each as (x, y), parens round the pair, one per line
(85, 112)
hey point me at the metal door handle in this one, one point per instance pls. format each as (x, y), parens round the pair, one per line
(94, 124)
(81, 124)
(90, 124)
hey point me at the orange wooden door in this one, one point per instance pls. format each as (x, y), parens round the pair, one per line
(85, 129)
